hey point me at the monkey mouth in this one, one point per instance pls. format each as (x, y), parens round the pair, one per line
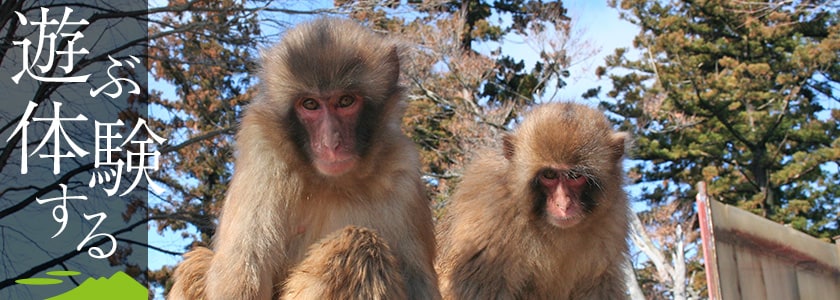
(335, 167)
(565, 222)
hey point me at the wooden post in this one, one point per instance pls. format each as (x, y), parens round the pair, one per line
(707, 235)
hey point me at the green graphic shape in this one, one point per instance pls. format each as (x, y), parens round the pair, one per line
(118, 286)
(38, 281)
(63, 273)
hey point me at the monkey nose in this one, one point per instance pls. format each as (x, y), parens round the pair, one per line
(332, 141)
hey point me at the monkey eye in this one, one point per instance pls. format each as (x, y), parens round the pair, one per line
(549, 174)
(346, 101)
(309, 104)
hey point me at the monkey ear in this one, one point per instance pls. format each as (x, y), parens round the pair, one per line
(508, 146)
(618, 142)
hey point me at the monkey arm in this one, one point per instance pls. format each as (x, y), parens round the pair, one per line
(250, 254)
(246, 259)
(416, 251)
(401, 214)
(419, 274)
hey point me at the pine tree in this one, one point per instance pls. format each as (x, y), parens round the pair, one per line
(740, 94)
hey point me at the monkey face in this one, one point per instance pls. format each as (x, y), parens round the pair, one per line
(334, 88)
(569, 155)
(330, 124)
(564, 196)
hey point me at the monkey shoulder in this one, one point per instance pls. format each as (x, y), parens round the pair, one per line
(487, 170)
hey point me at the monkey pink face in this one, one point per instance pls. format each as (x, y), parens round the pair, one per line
(564, 196)
(330, 122)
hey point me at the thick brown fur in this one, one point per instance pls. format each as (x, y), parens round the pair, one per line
(197, 262)
(495, 240)
(353, 263)
(278, 204)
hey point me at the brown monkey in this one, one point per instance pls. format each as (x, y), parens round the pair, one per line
(353, 263)
(319, 149)
(545, 218)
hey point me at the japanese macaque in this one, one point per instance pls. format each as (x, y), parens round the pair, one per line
(545, 217)
(320, 149)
